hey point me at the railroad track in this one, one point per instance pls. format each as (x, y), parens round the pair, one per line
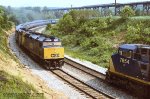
(85, 69)
(89, 91)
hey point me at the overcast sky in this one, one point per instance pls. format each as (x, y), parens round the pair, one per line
(60, 3)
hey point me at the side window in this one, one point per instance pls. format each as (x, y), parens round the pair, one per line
(144, 51)
(137, 56)
(145, 55)
(145, 58)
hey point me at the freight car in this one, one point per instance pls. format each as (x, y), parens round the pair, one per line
(45, 49)
(130, 68)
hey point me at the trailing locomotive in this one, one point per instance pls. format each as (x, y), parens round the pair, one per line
(130, 69)
(47, 50)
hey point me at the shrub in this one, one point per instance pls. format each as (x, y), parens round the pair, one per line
(127, 12)
(48, 27)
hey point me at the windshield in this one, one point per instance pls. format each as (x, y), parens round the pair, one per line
(127, 54)
(51, 44)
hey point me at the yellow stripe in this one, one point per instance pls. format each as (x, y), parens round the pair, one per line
(132, 78)
(112, 69)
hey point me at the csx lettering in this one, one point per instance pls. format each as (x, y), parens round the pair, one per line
(123, 60)
(54, 55)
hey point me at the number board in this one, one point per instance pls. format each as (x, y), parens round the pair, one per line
(124, 61)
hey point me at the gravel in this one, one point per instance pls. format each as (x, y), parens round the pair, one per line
(51, 80)
(96, 83)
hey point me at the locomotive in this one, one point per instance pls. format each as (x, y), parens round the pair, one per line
(130, 69)
(47, 50)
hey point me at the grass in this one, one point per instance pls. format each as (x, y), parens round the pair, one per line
(140, 17)
(82, 55)
(4, 50)
(3, 45)
(14, 88)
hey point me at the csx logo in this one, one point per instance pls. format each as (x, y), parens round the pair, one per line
(123, 60)
(54, 55)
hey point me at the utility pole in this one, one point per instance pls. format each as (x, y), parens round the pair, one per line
(115, 8)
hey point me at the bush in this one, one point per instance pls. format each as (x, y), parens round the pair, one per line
(127, 12)
(48, 27)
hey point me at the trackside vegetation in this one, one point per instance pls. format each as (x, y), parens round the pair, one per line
(11, 87)
(93, 38)
(14, 88)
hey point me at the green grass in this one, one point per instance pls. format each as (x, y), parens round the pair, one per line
(4, 50)
(83, 55)
(140, 17)
(3, 45)
(14, 88)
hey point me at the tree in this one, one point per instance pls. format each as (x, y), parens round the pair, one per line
(37, 9)
(13, 19)
(30, 17)
(127, 12)
(66, 24)
(45, 10)
(58, 14)
(48, 27)
(1, 13)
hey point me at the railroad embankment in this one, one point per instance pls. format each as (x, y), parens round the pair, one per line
(16, 80)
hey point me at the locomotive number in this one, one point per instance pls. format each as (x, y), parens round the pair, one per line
(123, 60)
(54, 55)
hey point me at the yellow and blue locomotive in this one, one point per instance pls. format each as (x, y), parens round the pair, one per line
(130, 68)
(45, 49)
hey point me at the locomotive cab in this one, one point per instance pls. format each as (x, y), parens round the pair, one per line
(130, 69)
(132, 60)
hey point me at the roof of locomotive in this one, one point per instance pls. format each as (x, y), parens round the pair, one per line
(133, 47)
(43, 38)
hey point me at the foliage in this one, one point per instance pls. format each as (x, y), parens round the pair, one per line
(66, 24)
(48, 27)
(139, 32)
(13, 18)
(25, 14)
(14, 88)
(127, 12)
(95, 39)
(4, 19)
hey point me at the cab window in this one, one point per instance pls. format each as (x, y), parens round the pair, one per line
(127, 54)
(56, 44)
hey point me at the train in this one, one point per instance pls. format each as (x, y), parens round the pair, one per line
(129, 68)
(47, 50)
(28, 25)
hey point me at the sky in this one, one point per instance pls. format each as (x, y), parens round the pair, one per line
(60, 3)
